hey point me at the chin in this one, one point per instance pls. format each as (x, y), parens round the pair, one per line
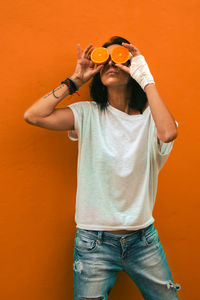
(115, 84)
(112, 82)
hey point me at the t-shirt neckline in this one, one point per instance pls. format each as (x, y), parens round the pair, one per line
(125, 115)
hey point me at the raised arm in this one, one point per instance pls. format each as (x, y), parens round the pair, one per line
(43, 112)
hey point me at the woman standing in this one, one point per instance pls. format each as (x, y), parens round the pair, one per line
(125, 136)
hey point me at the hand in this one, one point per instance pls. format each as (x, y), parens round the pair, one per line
(85, 67)
(138, 69)
(134, 52)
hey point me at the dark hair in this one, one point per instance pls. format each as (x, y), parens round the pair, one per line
(98, 91)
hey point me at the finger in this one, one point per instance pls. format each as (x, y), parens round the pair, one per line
(91, 64)
(123, 68)
(86, 50)
(97, 69)
(78, 51)
(131, 48)
(88, 53)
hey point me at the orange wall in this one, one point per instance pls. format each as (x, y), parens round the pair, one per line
(38, 166)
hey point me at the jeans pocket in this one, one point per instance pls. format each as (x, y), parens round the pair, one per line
(151, 237)
(85, 244)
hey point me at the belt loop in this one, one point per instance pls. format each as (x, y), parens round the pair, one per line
(100, 237)
(141, 234)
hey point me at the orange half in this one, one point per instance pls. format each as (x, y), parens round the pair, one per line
(120, 55)
(99, 55)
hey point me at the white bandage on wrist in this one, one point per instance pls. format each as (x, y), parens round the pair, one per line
(139, 71)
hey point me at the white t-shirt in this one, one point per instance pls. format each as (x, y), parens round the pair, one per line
(119, 159)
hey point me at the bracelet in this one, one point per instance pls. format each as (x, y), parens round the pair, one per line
(55, 95)
(71, 85)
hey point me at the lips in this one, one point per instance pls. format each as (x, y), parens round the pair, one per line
(111, 72)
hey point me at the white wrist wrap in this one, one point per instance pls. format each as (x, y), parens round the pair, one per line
(139, 71)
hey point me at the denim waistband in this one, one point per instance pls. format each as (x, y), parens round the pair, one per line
(99, 234)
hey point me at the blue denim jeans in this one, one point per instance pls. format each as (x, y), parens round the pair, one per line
(100, 255)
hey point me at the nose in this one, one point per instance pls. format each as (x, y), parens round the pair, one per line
(110, 62)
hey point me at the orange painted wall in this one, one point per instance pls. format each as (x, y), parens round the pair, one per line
(38, 166)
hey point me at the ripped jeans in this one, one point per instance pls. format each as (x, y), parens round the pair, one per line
(100, 255)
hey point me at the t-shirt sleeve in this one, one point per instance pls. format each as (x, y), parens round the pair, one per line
(162, 150)
(72, 134)
(80, 110)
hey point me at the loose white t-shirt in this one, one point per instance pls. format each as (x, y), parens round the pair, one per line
(119, 159)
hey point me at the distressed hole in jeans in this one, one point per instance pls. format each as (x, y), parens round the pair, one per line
(176, 286)
(78, 266)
